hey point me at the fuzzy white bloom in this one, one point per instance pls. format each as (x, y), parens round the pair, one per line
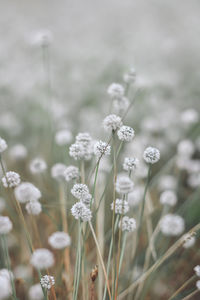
(101, 148)
(41, 38)
(5, 225)
(194, 180)
(121, 206)
(58, 171)
(35, 292)
(198, 284)
(63, 137)
(151, 155)
(167, 182)
(26, 192)
(115, 91)
(34, 208)
(59, 240)
(11, 180)
(189, 241)
(37, 165)
(130, 163)
(6, 273)
(2, 204)
(112, 122)
(128, 224)
(71, 173)
(121, 105)
(124, 184)
(3, 145)
(197, 270)
(125, 133)
(80, 211)
(87, 200)
(80, 191)
(77, 151)
(47, 281)
(135, 196)
(190, 116)
(18, 152)
(130, 76)
(185, 148)
(172, 225)
(168, 197)
(6, 289)
(42, 259)
(85, 140)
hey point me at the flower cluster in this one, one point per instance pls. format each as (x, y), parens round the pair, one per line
(11, 179)
(42, 259)
(121, 206)
(101, 148)
(112, 122)
(130, 163)
(82, 149)
(47, 281)
(128, 224)
(5, 225)
(125, 133)
(59, 240)
(124, 184)
(151, 155)
(3, 145)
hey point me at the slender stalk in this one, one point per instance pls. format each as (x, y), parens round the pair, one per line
(191, 295)
(78, 265)
(123, 250)
(182, 287)
(101, 259)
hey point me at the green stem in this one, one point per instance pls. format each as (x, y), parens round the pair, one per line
(122, 252)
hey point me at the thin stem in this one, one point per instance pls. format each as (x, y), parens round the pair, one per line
(191, 295)
(101, 259)
(78, 264)
(182, 287)
(122, 252)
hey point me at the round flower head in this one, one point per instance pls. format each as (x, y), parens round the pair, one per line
(6, 289)
(6, 273)
(167, 182)
(38, 165)
(101, 148)
(189, 241)
(47, 281)
(128, 224)
(121, 206)
(168, 197)
(151, 155)
(197, 270)
(198, 284)
(130, 76)
(59, 240)
(87, 200)
(121, 105)
(58, 171)
(34, 208)
(112, 122)
(76, 151)
(3, 145)
(80, 191)
(26, 192)
(172, 225)
(42, 38)
(80, 211)
(35, 292)
(186, 148)
(5, 225)
(190, 116)
(63, 137)
(115, 91)
(71, 173)
(124, 184)
(11, 180)
(125, 133)
(42, 259)
(83, 138)
(130, 163)
(2, 204)
(18, 152)
(135, 196)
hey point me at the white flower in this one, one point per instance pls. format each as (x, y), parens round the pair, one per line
(63, 137)
(130, 163)
(58, 171)
(71, 173)
(42, 259)
(47, 281)
(3, 145)
(121, 105)
(112, 122)
(190, 116)
(83, 146)
(197, 270)
(125, 133)
(121, 206)
(77, 151)
(198, 284)
(115, 90)
(59, 240)
(26, 192)
(87, 200)
(34, 208)
(6, 273)
(80, 191)
(84, 138)
(38, 165)
(80, 211)
(41, 38)
(172, 225)
(168, 197)
(5, 286)
(35, 292)
(167, 182)
(11, 180)
(135, 196)
(185, 148)
(5, 225)
(101, 148)
(189, 241)
(128, 224)
(130, 76)
(18, 152)
(124, 184)
(151, 155)
(2, 204)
